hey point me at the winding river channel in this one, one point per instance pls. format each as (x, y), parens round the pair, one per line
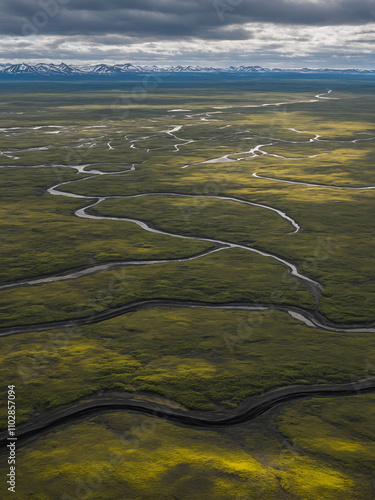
(311, 319)
(252, 407)
(86, 213)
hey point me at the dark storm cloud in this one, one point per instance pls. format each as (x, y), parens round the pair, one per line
(319, 33)
(174, 19)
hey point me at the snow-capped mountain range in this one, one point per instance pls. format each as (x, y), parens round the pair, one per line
(119, 69)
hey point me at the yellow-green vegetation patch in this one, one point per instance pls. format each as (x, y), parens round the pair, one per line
(341, 163)
(338, 431)
(164, 462)
(128, 456)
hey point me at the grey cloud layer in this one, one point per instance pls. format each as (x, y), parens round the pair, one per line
(334, 33)
(176, 19)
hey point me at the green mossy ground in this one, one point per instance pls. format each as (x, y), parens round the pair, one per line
(40, 236)
(326, 455)
(201, 358)
(235, 275)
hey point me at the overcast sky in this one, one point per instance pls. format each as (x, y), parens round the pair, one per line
(272, 33)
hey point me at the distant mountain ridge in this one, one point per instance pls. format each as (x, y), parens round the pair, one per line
(119, 69)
